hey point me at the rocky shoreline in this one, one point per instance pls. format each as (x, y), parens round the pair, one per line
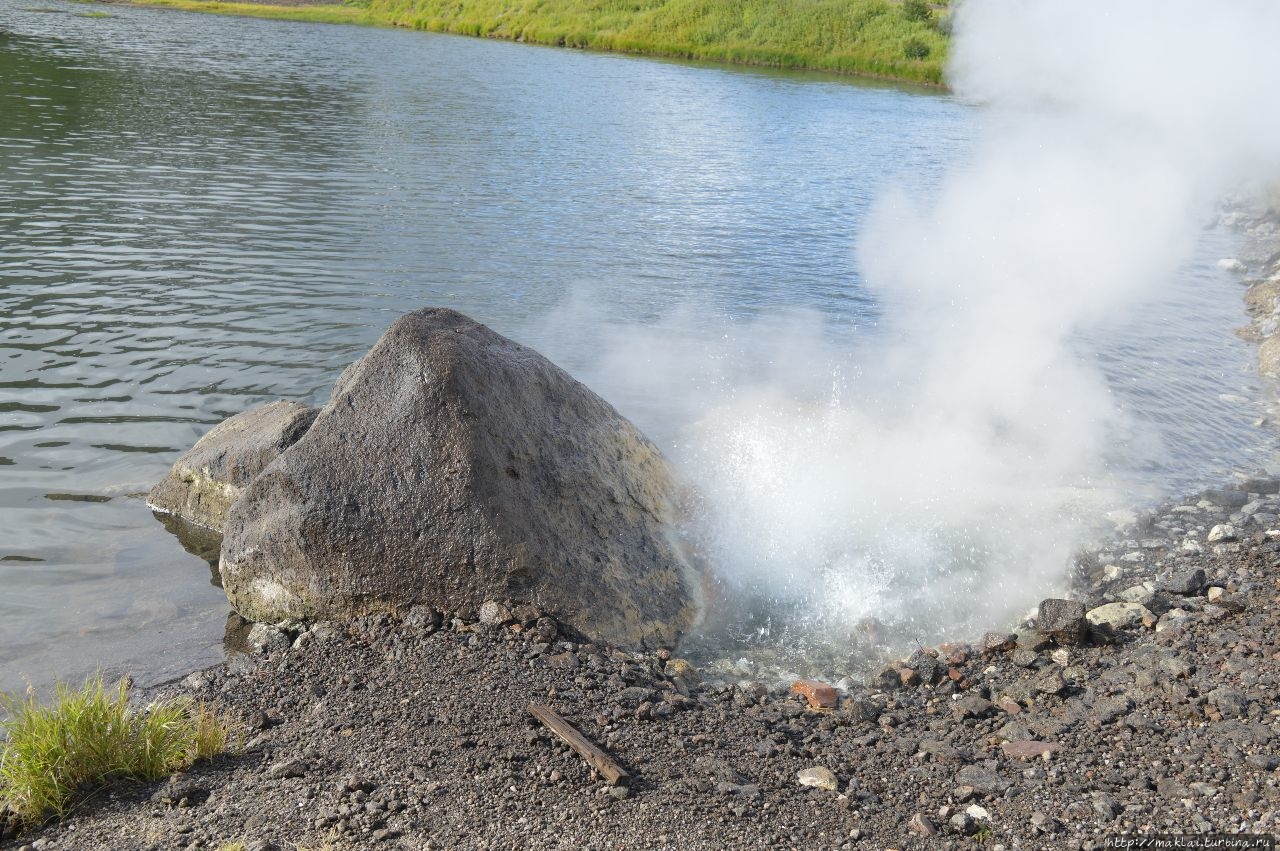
(1145, 705)
(416, 733)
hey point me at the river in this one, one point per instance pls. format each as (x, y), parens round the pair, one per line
(201, 213)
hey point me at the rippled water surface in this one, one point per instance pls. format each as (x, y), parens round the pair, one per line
(200, 213)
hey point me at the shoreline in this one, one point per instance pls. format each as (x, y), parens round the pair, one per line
(926, 73)
(1152, 714)
(1162, 723)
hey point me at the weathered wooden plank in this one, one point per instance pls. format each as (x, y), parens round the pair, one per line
(598, 759)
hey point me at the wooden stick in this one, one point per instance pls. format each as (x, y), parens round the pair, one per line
(599, 760)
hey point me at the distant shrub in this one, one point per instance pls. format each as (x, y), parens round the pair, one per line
(917, 10)
(915, 49)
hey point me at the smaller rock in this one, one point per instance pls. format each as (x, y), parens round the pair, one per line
(1232, 264)
(1106, 806)
(180, 791)
(818, 694)
(1042, 823)
(982, 780)
(493, 613)
(1265, 762)
(887, 679)
(972, 706)
(977, 813)
(198, 681)
(1266, 485)
(1050, 682)
(1184, 583)
(922, 825)
(1025, 658)
(1221, 532)
(265, 638)
(286, 769)
(1108, 709)
(940, 750)
(1118, 615)
(1061, 621)
(1030, 749)
(1225, 497)
(1170, 787)
(1229, 702)
(998, 642)
(818, 777)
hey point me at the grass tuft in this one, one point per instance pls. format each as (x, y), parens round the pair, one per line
(91, 736)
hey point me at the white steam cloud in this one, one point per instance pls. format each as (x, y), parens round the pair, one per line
(936, 481)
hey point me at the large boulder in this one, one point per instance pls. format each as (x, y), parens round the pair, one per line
(204, 482)
(452, 466)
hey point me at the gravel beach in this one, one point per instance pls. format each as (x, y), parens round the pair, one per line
(1144, 705)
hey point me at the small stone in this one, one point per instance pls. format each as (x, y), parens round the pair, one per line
(1061, 621)
(1221, 532)
(922, 825)
(1140, 594)
(818, 777)
(887, 679)
(1030, 749)
(818, 694)
(1042, 823)
(1009, 705)
(1229, 702)
(286, 769)
(198, 681)
(620, 792)
(909, 677)
(493, 613)
(265, 638)
(1108, 709)
(982, 780)
(972, 706)
(1050, 682)
(1025, 658)
(998, 642)
(1215, 592)
(1106, 806)
(1184, 583)
(1169, 787)
(940, 750)
(1225, 497)
(977, 813)
(1265, 485)
(1118, 615)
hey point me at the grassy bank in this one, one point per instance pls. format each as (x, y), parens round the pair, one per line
(318, 13)
(881, 38)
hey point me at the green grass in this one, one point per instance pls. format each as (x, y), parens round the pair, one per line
(320, 13)
(881, 38)
(91, 736)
